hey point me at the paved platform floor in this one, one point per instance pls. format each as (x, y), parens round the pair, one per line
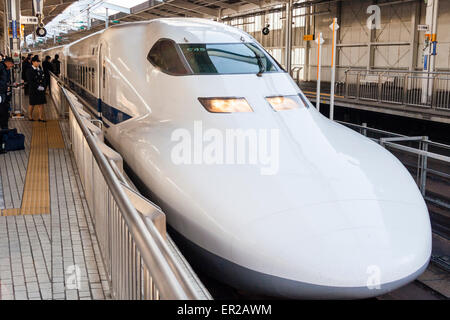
(48, 256)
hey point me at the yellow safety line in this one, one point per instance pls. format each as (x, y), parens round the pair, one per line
(36, 195)
(55, 138)
(10, 212)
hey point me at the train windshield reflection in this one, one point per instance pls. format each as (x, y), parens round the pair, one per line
(228, 58)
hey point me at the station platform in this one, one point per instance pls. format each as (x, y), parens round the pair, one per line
(48, 245)
(375, 100)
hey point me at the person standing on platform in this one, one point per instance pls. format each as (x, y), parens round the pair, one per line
(56, 65)
(26, 64)
(48, 67)
(36, 81)
(5, 81)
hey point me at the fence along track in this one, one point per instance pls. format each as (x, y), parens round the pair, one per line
(427, 161)
(138, 260)
(426, 90)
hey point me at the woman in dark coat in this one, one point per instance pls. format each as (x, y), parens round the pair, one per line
(36, 81)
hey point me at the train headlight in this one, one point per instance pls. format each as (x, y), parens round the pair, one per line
(280, 103)
(225, 105)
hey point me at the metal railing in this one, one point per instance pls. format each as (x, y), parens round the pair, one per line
(130, 229)
(58, 97)
(310, 86)
(414, 88)
(423, 156)
(428, 161)
(295, 73)
(430, 90)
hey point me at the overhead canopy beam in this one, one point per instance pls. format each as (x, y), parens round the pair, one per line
(222, 4)
(111, 6)
(145, 15)
(184, 11)
(164, 13)
(131, 18)
(255, 2)
(195, 8)
(97, 16)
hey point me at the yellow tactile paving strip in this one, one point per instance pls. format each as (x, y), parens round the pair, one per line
(10, 212)
(36, 194)
(55, 138)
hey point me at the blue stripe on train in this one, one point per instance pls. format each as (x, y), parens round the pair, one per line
(110, 113)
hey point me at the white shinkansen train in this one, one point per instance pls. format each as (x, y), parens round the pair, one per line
(334, 216)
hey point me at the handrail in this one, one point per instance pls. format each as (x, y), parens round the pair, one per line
(296, 70)
(402, 139)
(396, 71)
(369, 129)
(152, 248)
(415, 151)
(440, 145)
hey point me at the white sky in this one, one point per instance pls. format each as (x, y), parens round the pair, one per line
(75, 16)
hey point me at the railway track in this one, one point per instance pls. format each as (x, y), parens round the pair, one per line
(415, 290)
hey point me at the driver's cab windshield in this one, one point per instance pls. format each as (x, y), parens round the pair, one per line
(198, 59)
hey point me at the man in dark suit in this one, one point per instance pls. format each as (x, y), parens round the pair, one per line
(56, 65)
(26, 64)
(47, 66)
(5, 81)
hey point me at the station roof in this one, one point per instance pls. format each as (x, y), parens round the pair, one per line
(52, 8)
(153, 9)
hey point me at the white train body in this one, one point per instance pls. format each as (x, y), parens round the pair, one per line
(340, 218)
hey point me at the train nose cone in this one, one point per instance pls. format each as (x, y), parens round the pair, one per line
(345, 249)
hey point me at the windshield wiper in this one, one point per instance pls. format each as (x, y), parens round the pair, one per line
(261, 65)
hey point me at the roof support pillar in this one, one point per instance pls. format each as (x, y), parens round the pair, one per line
(107, 18)
(88, 13)
(12, 22)
(288, 36)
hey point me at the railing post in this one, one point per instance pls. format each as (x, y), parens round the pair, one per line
(419, 167)
(379, 87)
(405, 89)
(433, 92)
(424, 166)
(346, 85)
(364, 131)
(298, 74)
(358, 79)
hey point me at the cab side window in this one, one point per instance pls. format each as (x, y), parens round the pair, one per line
(164, 55)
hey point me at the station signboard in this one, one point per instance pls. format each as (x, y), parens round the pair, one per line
(28, 20)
